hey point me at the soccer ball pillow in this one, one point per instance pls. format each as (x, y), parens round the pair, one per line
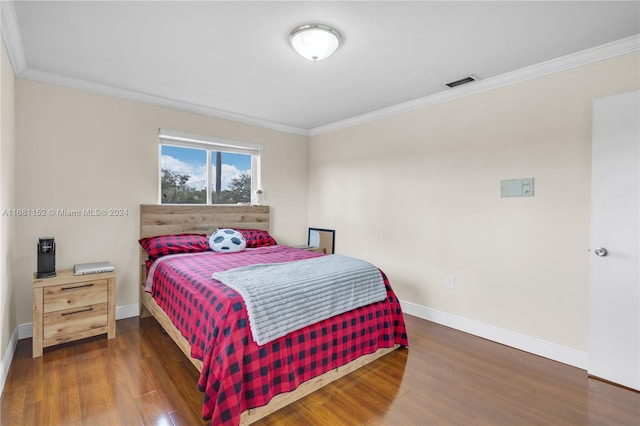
(227, 241)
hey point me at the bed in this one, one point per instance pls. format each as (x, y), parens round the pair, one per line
(241, 380)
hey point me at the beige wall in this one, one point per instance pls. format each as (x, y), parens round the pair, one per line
(418, 195)
(80, 150)
(7, 198)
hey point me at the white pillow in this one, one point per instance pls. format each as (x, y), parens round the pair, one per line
(227, 241)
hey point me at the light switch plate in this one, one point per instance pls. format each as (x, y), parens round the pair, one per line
(516, 188)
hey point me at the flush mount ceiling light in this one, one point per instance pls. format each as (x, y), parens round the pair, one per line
(315, 41)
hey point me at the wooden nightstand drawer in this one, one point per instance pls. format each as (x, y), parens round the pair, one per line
(75, 320)
(70, 307)
(74, 295)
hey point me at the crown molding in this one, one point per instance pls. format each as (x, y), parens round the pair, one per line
(11, 36)
(595, 54)
(15, 50)
(13, 42)
(102, 89)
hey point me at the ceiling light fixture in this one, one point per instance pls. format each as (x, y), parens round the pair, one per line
(315, 41)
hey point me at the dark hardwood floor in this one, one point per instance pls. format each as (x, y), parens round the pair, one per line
(445, 378)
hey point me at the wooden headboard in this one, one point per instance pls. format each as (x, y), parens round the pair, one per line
(168, 219)
(163, 219)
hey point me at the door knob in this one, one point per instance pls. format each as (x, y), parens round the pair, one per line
(601, 251)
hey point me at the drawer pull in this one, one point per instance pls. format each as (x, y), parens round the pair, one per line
(77, 312)
(78, 286)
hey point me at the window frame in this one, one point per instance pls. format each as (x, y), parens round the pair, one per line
(210, 144)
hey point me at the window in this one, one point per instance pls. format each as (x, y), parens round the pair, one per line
(202, 170)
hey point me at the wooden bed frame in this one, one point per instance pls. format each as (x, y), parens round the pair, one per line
(177, 219)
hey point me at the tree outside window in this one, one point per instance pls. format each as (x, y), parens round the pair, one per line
(187, 174)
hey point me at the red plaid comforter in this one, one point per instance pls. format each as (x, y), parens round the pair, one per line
(238, 374)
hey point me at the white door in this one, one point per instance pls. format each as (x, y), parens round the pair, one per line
(614, 290)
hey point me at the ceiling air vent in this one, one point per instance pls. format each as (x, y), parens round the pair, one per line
(465, 80)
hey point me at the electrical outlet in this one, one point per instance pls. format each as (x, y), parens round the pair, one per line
(451, 281)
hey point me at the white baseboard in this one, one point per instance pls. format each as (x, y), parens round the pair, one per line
(529, 344)
(128, 311)
(25, 330)
(5, 362)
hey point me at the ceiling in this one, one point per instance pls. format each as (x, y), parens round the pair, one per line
(232, 60)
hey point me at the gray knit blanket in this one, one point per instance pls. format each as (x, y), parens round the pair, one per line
(284, 297)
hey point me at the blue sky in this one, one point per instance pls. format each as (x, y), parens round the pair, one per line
(194, 161)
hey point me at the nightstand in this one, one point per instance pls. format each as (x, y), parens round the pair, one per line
(69, 307)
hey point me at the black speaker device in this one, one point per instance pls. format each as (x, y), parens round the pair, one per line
(46, 258)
